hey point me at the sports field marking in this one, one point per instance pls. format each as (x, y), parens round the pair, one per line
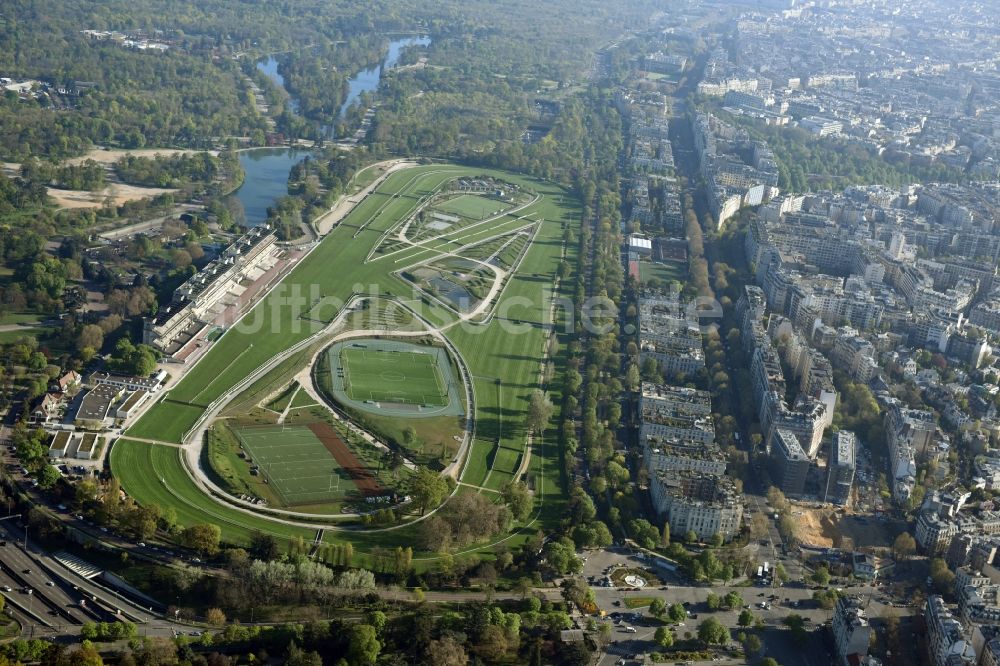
(393, 376)
(294, 461)
(471, 206)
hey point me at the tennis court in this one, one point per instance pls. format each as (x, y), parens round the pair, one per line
(391, 375)
(301, 465)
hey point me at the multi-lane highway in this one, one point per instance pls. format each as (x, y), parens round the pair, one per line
(60, 600)
(44, 598)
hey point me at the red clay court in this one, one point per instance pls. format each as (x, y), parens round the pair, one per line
(363, 479)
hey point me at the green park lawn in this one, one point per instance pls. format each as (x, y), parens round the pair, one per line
(638, 602)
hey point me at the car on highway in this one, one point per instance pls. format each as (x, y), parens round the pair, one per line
(27, 572)
(50, 583)
(7, 588)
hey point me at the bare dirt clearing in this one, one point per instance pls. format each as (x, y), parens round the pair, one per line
(119, 193)
(827, 528)
(103, 156)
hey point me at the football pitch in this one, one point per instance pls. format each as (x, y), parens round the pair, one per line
(296, 464)
(471, 206)
(385, 375)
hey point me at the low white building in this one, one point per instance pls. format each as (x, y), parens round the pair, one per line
(60, 444)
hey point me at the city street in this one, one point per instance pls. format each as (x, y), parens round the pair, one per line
(775, 636)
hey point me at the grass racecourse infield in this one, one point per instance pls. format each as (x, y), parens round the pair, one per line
(504, 364)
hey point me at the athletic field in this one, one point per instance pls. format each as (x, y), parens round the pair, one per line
(471, 206)
(388, 375)
(305, 464)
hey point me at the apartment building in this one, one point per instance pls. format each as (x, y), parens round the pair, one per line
(789, 464)
(851, 631)
(948, 644)
(705, 504)
(841, 466)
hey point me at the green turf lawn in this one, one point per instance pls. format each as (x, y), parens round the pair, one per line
(244, 348)
(366, 177)
(281, 400)
(498, 479)
(296, 464)
(251, 344)
(8, 337)
(638, 602)
(154, 474)
(220, 459)
(20, 318)
(302, 399)
(393, 376)
(664, 272)
(490, 350)
(471, 206)
(506, 460)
